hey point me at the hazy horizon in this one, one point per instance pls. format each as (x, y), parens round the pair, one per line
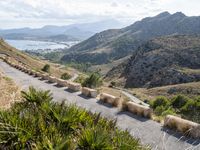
(39, 13)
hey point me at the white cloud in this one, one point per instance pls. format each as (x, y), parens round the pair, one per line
(114, 4)
(40, 12)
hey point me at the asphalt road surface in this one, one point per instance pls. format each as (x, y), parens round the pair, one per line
(148, 131)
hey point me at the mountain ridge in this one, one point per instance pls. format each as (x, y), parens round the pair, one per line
(109, 45)
(79, 31)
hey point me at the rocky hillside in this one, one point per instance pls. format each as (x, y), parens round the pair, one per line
(111, 45)
(161, 61)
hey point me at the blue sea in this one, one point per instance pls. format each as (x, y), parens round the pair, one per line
(38, 45)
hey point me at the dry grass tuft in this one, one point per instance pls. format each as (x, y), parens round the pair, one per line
(9, 92)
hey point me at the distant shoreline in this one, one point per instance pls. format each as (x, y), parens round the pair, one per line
(25, 44)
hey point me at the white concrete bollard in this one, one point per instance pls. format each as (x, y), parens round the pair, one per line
(62, 82)
(52, 79)
(107, 98)
(89, 92)
(183, 125)
(74, 86)
(139, 109)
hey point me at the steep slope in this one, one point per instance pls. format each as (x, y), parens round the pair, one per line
(114, 44)
(161, 61)
(27, 60)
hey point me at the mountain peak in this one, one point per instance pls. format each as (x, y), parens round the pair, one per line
(179, 14)
(163, 14)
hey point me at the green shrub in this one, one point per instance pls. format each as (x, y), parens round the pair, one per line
(169, 111)
(38, 123)
(160, 101)
(46, 68)
(37, 96)
(191, 110)
(186, 107)
(159, 110)
(80, 79)
(179, 101)
(163, 111)
(95, 139)
(65, 76)
(93, 81)
(191, 106)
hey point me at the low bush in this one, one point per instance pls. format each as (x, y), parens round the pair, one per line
(93, 81)
(169, 111)
(160, 101)
(159, 110)
(81, 78)
(179, 101)
(65, 76)
(46, 68)
(38, 123)
(182, 105)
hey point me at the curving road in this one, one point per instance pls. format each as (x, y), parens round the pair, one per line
(75, 76)
(150, 132)
(131, 97)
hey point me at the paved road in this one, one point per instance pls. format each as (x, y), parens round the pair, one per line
(75, 76)
(134, 99)
(148, 131)
(131, 97)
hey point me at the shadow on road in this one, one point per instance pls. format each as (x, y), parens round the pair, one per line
(58, 86)
(140, 118)
(181, 137)
(104, 104)
(49, 82)
(41, 79)
(70, 91)
(85, 97)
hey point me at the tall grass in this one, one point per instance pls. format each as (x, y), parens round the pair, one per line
(38, 123)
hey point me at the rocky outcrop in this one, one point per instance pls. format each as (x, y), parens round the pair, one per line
(162, 61)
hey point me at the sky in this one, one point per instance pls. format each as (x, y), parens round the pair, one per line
(37, 13)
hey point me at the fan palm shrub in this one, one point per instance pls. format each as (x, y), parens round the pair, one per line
(46, 68)
(39, 123)
(93, 81)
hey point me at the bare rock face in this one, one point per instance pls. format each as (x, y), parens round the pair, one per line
(163, 61)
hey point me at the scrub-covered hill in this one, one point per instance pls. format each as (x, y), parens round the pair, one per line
(161, 61)
(112, 45)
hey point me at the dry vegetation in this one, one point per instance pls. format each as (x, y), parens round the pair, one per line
(105, 68)
(190, 89)
(32, 62)
(9, 92)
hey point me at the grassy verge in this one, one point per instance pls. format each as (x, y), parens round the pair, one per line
(38, 123)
